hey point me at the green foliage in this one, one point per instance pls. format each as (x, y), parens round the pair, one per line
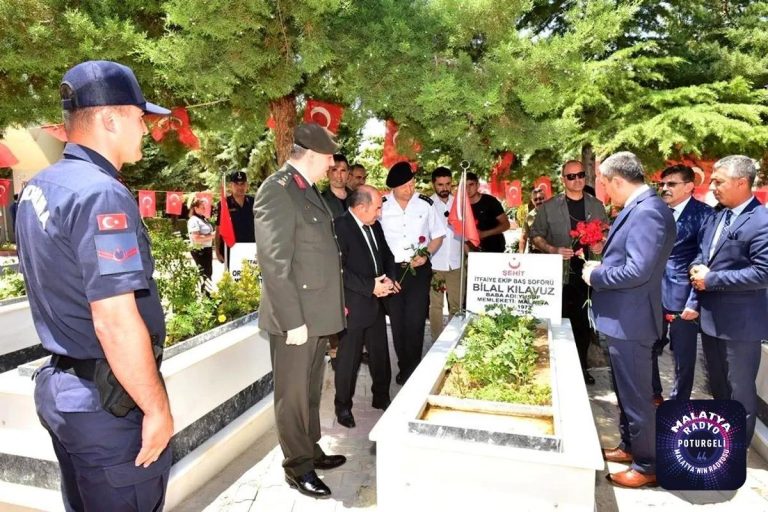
(177, 277)
(497, 359)
(11, 284)
(195, 318)
(238, 298)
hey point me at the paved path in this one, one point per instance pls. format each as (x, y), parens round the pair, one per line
(254, 482)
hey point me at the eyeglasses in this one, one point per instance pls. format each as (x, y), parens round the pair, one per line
(670, 184)
(576, 176)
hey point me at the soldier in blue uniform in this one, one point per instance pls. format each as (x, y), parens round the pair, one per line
(85, 256)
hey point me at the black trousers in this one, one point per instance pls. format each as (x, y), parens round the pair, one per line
(204, 259)
(408, 315)
(574, 297)
(348, 355)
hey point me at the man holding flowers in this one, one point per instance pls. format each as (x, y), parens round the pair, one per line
(413, 233)
(572, 210)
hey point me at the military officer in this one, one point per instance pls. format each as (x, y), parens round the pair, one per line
(85, 256)
(410, 223)
(302, 300)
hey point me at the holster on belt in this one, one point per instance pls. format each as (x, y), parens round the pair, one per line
(114, 398)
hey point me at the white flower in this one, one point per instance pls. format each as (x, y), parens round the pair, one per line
(460, 351)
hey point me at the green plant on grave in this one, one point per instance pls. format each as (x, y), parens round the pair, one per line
(238, 298)
(177, 276)
(496, 359)
(195, 318)
(11, 284)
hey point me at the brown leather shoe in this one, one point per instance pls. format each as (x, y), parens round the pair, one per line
(632, 479)
(658, 400)
(617, 455)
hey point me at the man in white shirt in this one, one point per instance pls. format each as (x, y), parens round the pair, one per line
(446, 262)
(410, 223)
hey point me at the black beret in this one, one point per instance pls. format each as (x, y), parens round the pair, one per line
(314, 137)
(399, 174)
(238, 177)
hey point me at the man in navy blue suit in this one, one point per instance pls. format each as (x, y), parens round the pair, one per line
(730, 277)
(680, 329)
(627, 306)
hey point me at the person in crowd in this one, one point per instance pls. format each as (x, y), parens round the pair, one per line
(446, 262)
(537, 199)
(491, 220)
(85, 256)
(240, 206)
(368, 274)
(201, 237)
(357, 176)
(337, 192)
(301, 300)
(730, 278)
(681, 328)
(550, 234)
(627, 306)
(414, 234)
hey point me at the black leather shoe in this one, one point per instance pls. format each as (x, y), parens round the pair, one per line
(309, 484)
(329, 461)
(401, 378)
(346, 419)
(589, 379)
(381, 403)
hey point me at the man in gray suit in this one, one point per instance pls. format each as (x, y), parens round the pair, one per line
(627, 307)
(302, 300)
(550, 234)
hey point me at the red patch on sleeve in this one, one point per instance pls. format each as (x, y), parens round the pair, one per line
(112, 221)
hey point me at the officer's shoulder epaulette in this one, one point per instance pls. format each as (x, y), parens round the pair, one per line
(427, 199)
(282, 178)
(383, 199)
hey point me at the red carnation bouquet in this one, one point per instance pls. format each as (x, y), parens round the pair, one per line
(418, 250)
(588, 234)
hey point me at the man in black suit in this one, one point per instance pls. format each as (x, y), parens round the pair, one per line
(368, 270)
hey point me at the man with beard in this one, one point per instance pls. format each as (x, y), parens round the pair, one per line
(357, 176)
(336, 194)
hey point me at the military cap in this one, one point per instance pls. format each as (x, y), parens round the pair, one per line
(238, 177)
(96, 83)
(399, 174)
(314, 137)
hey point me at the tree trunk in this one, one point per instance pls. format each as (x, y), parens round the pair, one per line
(283, 111)
(588, 161)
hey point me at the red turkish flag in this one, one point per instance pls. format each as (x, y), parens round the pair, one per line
(56, 130)
(207, 199)
(702, 170)
(499, 172)
(461, 218)
(6, 191)
(762, 195)
(545, 184)
(173, 202)
(7, 159)
(147, 204)
(179, 122)
(226, 230)
(514, 193)
(327, 115)
(390, 156)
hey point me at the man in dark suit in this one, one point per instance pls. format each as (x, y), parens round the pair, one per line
(627, 308)
(730, 277)
(369, 273)
(676, 189)
(302, 300)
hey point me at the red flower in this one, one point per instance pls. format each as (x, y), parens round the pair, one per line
(422, 239)
(588, 233)
(670, 317)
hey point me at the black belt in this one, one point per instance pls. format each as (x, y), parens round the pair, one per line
(83, 368)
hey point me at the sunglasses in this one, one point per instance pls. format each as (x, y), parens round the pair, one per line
(576, 176)
(670, 184)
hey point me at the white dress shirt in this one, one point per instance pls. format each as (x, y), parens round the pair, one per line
(448, 256)
(402, 228)
(678, 210)
(365, 237)
(735, 212)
